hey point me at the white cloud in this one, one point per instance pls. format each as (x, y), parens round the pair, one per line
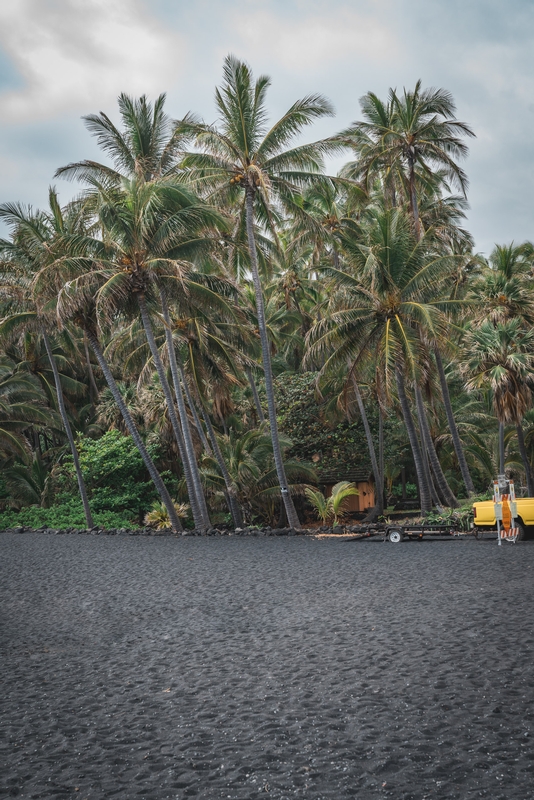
(316, 41)
(80, 54)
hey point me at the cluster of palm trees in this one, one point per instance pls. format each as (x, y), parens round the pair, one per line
(199, 260)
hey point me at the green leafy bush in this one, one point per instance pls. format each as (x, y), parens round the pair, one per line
(67, 513)
(339, 444)
(411, 491)
(118, 487)
(114, 474)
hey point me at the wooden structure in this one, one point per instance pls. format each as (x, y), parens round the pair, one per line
(364, 500)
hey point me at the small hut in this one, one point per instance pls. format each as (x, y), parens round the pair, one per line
(362, 478)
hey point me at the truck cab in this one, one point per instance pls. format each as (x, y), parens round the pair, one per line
(484, 515)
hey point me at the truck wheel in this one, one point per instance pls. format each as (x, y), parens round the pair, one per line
(395, 536)
(522, 535)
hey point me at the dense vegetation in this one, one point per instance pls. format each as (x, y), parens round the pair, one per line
(214, 323)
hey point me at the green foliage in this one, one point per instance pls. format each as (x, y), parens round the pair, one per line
(67, 513)
(114, 475)
(315, 431)
(462, 516)
(320, 504)
(158, 516)
(332, 507)
(117, 486)
(411, 491)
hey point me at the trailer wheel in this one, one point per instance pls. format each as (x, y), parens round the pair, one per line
(395, 535)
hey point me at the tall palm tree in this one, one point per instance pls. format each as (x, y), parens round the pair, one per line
(21, 406)
(409, 137)
(28, 251)
(245, 160)
(152, 224)
(65, 282)
(383, 308)
(413, 142)
(501, 358)
(148, 147)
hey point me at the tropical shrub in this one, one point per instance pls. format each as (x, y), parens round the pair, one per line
(332, 507)
(158, 516)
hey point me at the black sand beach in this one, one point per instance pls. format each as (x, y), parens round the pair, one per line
(265, 668)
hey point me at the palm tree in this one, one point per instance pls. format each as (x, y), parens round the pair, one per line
(334, 506)
(249, 456)
(502, 289)
(406, 139)
(148, 147)
(29, 250)
(385, 305)
(413, 142)
(501, 358)
(21, 406)
(245, 160)
(65, 279)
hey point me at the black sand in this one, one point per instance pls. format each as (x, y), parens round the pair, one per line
(265, 668)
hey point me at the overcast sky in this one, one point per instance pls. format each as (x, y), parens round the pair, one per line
(60, 59)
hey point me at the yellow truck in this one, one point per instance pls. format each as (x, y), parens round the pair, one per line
(484, 515)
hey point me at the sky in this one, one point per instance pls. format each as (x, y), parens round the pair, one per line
(61, 59)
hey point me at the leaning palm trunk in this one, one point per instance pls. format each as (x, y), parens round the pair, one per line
(255, 395)
(291, 512)
(92, 382)
(457, 442)
(134, 433)
(68, 431)
(178, 376)
(422, 478)
(381, 451)
(187, 454)
(196, 419)
(501, 448)
(434, 496)
(231, 492)
(524, 459)
(189, 450)
(442, 485)
(379, 494)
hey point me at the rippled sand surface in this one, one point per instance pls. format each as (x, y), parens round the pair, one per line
(265, 668)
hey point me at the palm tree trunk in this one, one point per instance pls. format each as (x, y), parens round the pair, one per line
(92, 382)
(194, 414)
(422, 478)
(379, 495)
(68, 431)
(524, 459)
(255, 395)
(443, 487)
(501, 448)
(194, 487)
(292, 515)
(233, 504)
(381, 452)
(414, 207)
(134, 433)
(457, 442)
